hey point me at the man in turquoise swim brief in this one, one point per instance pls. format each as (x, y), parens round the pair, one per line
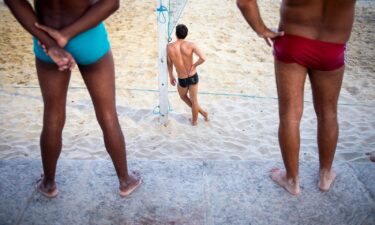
(70, 31)
(86, 48)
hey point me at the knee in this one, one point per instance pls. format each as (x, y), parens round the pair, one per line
(108, 121)
(54, 122)
(184, 97)
(291, 115)
(326, 115)
(194, 101)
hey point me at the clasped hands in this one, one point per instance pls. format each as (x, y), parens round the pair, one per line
(63, 59)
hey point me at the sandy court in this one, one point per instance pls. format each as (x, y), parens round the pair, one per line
(237, 89)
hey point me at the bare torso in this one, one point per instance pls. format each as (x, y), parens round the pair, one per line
(181, 54)
(60, 13)
(325, 20)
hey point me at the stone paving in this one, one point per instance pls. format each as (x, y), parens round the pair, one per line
(185, 192)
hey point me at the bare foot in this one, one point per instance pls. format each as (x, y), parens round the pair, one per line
(326, 179)
(205, 116)
(129, 185)
(193, 123)
(48, 190)
(280, 178)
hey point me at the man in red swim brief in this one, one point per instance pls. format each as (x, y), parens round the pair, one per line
(310, 53)
(310, 41)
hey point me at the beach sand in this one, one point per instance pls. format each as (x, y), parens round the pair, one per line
(237, 88)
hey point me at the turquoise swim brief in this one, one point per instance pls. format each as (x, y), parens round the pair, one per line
(86, 48)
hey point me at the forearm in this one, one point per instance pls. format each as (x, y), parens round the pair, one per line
(170, 72)
(97, 13)
(250, 10)
(25, 15)
(199, 61)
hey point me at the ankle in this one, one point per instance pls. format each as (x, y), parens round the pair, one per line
(325, 171)
(294, 181)
(48, 181)
(48, 184)
(124, 180)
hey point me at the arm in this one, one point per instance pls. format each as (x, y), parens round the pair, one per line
(170, 69)
(92, 17)
(199, 53)
(250, 10)
(201, 59)
(25, 15)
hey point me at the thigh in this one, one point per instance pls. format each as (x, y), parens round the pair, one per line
(182, 91)
(53, 84)
(290, 81)
(326, 86)
(193, 92)
(100, 81)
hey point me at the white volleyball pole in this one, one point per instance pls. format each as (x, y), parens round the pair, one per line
(162, 20)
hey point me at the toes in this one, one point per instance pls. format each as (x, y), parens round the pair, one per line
(276, 174)
(324, 187)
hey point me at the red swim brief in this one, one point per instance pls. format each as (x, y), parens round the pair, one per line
(312, 54)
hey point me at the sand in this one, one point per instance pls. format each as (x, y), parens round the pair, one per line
(237, 89)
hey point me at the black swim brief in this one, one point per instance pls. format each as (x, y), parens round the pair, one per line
(186, 82)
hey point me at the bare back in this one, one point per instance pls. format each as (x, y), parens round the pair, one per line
(325, 20)
(181, 54)
(60, 13)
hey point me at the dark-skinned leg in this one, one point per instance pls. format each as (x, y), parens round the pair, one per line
(100, 81)
(326, 87)
(183, 95)
(290, 80)
(54, 85)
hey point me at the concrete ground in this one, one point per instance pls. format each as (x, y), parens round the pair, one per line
(185, 192)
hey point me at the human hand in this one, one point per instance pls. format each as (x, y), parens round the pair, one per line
(59, 37)
(63, 59)
(173, 81)
(43, 46)
(268, 35)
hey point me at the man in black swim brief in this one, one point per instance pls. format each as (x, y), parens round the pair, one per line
(180, 55)
(186, 82)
